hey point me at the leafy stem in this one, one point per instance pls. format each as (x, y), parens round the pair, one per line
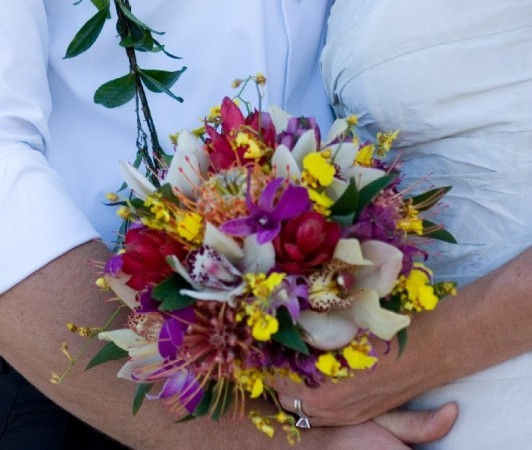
(153, 163)
(135, 36)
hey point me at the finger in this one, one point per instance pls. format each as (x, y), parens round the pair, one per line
(288, 404)
(317, 417)
(419, 427)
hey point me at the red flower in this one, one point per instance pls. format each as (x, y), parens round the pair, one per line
(305, 241)
(222, 152)
(144, 258)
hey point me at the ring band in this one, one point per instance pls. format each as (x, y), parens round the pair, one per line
(303, 421)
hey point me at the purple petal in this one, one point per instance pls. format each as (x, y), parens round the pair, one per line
(239, 227)
(268, 194)
(268, 235)
(293, 202)
(292, 305)
(184, 384)
(114, 265)
(172, 334)
(191, 394)
(147, 304)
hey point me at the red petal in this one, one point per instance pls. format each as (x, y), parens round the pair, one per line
(310, 235)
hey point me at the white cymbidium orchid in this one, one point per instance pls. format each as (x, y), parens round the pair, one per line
(118, 285)
(225, 261)
(143, 352)
(188, 168)
(189, 165)
(347, 292)
(279, 117)
(288, 163)
(343, 156)
(137, 182)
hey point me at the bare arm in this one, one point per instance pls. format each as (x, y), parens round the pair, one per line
(32, 327)
(487, 323)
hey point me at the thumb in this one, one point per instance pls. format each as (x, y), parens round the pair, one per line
(419, 427)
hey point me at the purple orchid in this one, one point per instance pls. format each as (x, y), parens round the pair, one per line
(183, 384)
(173, 332)
(291, 293)
(296, 127)
(265, 218)
(114, 265)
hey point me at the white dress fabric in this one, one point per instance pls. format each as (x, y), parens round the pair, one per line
(456, 79)
(59, 151)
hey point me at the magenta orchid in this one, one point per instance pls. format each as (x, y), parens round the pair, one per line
(266, 216)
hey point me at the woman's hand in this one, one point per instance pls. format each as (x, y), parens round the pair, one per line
(455, 340)
(366, 395)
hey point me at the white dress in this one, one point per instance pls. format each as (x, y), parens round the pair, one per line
(455, 78)
(59, 151)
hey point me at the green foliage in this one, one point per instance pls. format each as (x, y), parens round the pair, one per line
(88, 33)
(143, 41)
(435, 231)
(204, 405)
(109, 352)
(428, 199)
(288, 335)
(348, 201)
(371, 190)
(168, 293)
(100, 4)
(225, 400)
(116, 92)
(140, 395)
(161, 80)
(402, 338)
(134, 19)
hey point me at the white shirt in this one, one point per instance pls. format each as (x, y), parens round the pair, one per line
(59, 151)
(456, 79)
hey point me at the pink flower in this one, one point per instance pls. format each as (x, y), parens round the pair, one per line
(221, 146)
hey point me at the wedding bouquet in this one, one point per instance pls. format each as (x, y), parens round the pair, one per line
(262, 250)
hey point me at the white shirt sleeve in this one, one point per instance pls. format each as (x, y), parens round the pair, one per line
(39, 221)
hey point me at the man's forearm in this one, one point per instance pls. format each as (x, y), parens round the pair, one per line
(32, 328)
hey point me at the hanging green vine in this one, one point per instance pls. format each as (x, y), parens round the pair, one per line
(135, 36)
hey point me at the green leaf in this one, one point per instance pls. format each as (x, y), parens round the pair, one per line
(288, 335)
(344, 221)
(167, 192)
(109, 352)
(87, 34)
(161, 80)
(438, 232)
(167, 292)
(116, 92)
(134, 19)
(392, 304)
(100, 4)
(224, 403)
(187, 418)
(371, 190)
(204, 404)
(348, 201)
(140, 395)
(444, 288)
(427, 200)
(145, 43)
(160, 47)
(402, 337)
